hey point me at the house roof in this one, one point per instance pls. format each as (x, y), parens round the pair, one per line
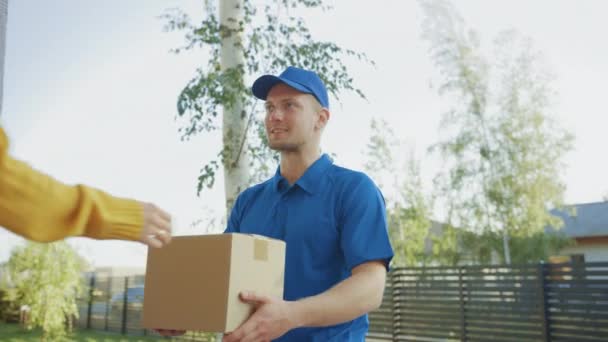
(584, 220)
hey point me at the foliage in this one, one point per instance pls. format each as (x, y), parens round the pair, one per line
(8, 310)
(408, 209)
(273, 37)
(48, 279)
(502, 146)
(446, 247)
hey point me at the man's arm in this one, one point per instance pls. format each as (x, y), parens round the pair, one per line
(354, 296)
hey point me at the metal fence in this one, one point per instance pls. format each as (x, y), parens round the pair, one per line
(114, 304)
(539, 302)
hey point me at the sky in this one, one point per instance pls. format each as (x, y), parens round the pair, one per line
(90, 93)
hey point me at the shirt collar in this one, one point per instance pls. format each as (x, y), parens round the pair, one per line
(310, 180)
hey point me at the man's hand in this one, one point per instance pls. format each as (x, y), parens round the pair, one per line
(156, 230)
(272, 318)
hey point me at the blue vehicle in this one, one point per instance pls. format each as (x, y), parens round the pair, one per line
(135, 300)
(134, 295)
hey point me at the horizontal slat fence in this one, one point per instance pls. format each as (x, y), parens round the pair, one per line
(536, 302)
(498, 303)
(577, 302)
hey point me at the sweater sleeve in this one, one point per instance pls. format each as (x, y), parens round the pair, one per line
(40, 208)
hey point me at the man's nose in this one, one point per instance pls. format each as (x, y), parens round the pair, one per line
(276, 115)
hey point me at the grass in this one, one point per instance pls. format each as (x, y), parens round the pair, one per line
(14, 333)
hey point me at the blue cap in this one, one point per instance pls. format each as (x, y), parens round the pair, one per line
(302, 80)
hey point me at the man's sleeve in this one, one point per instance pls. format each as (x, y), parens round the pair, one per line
(364, 231)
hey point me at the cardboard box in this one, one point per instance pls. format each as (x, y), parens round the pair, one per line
(194, 282)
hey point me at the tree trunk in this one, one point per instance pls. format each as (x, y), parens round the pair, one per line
(505, 245)
(235, 159)
(3, 19)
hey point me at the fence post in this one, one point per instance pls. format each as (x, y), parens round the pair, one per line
(108, 302)
(91, 291)
(394, 307)
(546, 337)
(124, 307)
(463, 323)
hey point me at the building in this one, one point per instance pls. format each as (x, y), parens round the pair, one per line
(587, 225)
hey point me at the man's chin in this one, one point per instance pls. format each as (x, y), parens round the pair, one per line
(283, 147)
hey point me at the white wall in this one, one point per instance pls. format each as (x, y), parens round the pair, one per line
(595, 252)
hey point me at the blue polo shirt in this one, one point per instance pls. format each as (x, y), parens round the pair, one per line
(332, 219)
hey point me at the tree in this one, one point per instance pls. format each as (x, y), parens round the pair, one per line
(48, 279)
(243, 42)
(409, 219)
(408, 209)
(448, 246)
(502, 147)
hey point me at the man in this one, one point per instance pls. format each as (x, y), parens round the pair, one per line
(332, 219)
(42, 209)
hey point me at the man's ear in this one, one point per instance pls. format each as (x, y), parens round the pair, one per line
(323, 118)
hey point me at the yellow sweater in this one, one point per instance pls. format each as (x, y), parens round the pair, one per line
(40, 208)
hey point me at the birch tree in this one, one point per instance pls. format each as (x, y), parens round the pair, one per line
(245, 39)
(501, 142)
(408, 207)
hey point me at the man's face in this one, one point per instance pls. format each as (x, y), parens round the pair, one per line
(292, 119)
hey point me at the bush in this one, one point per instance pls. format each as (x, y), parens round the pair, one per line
(9, 312)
